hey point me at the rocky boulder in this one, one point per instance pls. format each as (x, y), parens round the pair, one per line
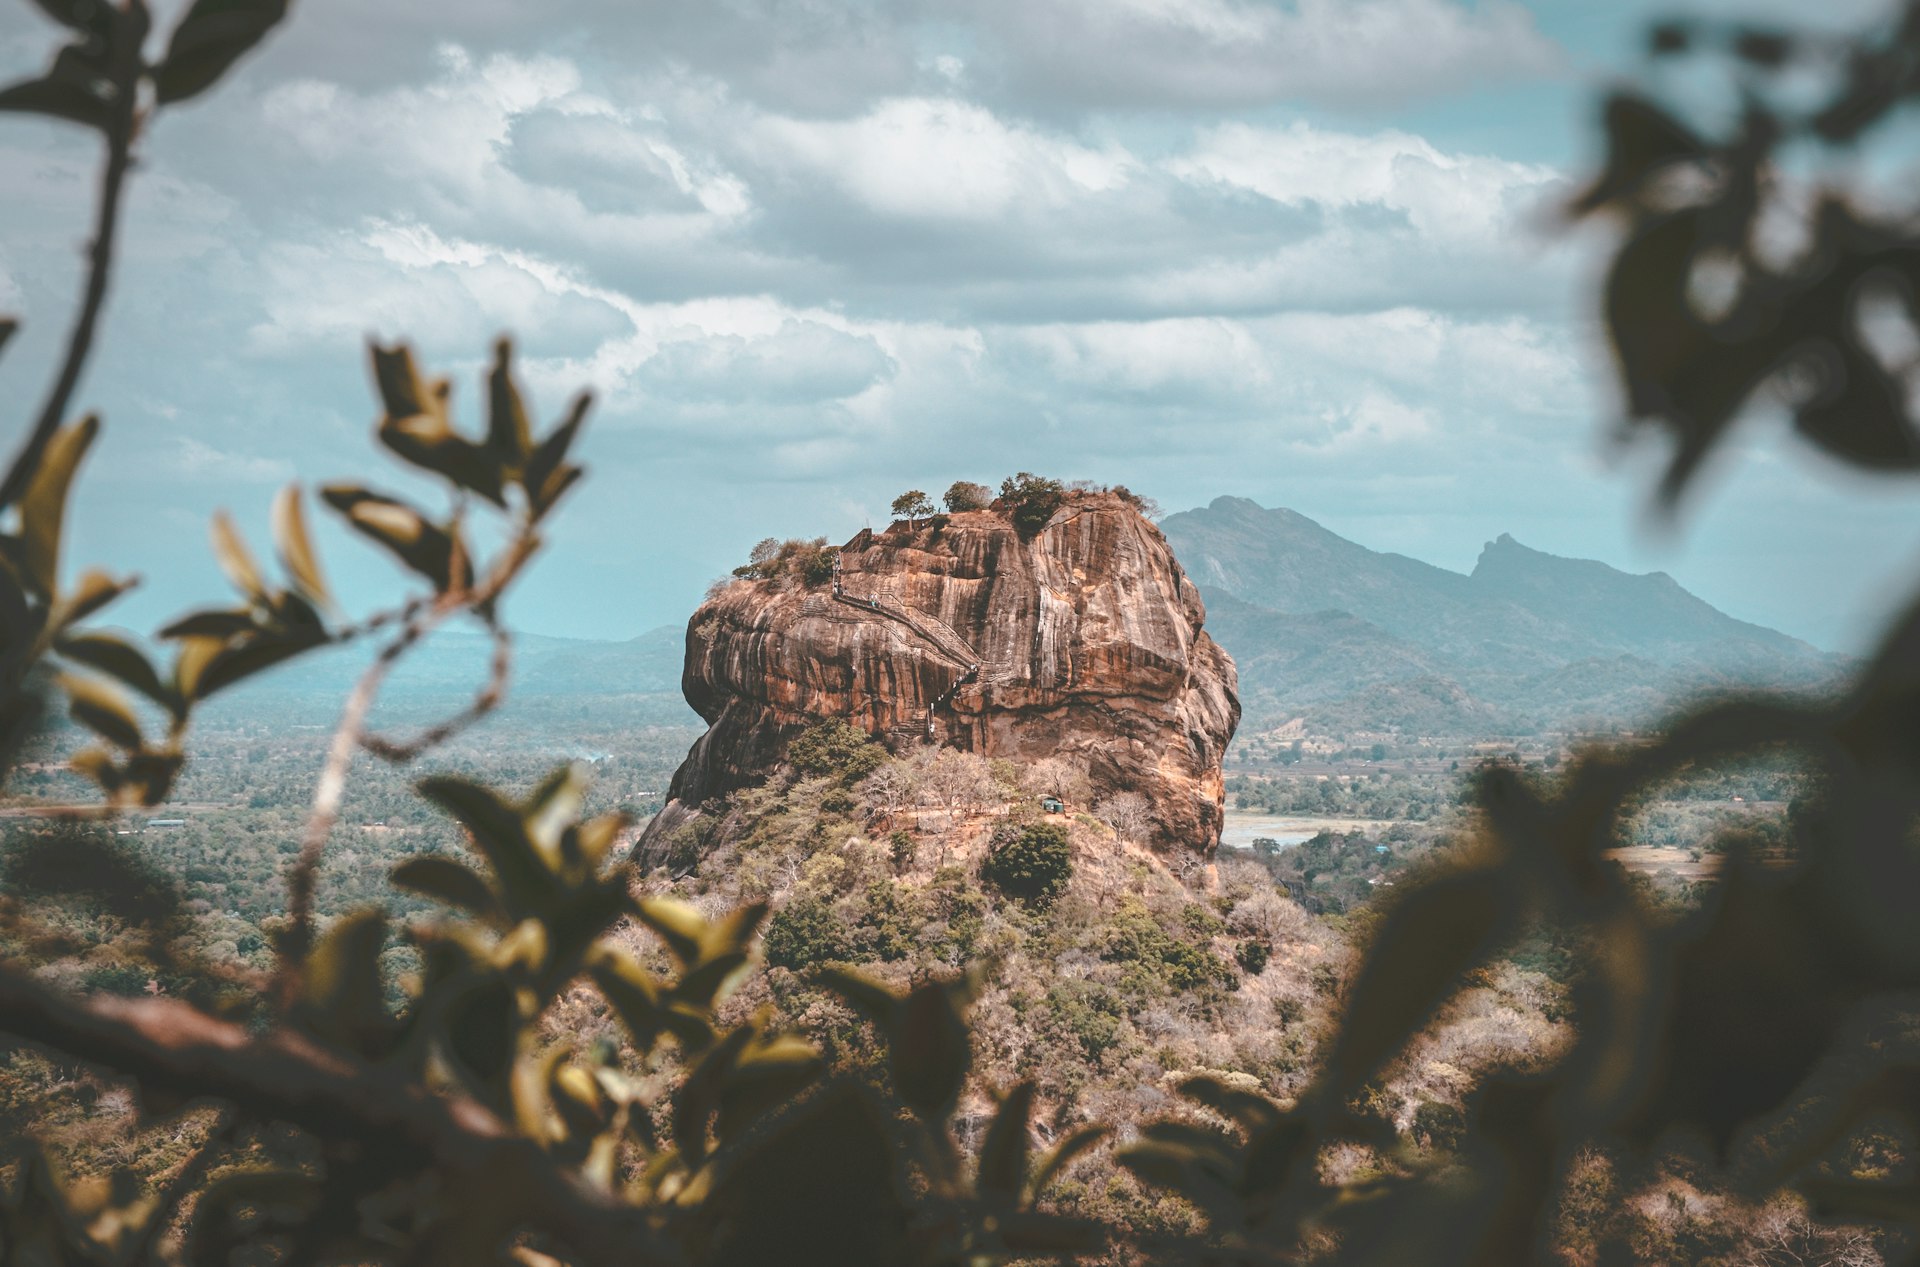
(1083, 641)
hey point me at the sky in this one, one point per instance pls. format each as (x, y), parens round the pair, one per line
(811, 253)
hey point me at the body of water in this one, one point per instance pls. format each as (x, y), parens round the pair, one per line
(1242, 829)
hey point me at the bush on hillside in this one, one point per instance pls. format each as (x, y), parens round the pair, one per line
(1030, 865)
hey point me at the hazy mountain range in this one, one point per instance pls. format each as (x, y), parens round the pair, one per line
(1322, 628)
(1352, 639)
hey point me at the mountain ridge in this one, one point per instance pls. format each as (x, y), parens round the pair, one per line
(1526, 640)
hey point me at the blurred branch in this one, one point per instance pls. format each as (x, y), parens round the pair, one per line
(122, 126)
(282, 1076)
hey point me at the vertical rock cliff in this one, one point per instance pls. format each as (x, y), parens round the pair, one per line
(1083, 642)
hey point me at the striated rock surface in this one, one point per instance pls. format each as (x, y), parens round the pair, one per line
(1087, 638)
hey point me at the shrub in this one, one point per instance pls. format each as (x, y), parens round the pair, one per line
(1032, 500)
(1252, 956)
(806, 933)
(808, 561)
(965, 495)
(835, 749)
(1032, 867)
(901, 845)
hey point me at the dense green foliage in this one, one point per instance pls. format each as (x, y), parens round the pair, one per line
(1031, 500)
(964, 495)
(807, 562)
(1032, 863)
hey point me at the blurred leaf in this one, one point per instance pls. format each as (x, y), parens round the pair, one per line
(878, 1002)
(500, 836)
(210, 38)
(118, 659)
(8, 328)
(1064, 1154)
(43, 508)
(102, 710)
(932, 1051)
(296, 546)
(508, 434)
(768, 1075)
(698, 1098)
(93, 591)
(424, 547)
(231, 552)
(1003, 1154)
(1243, 1108)
(1642, 139)
(342, 1000)
(679, 924)
(445, 880)
(631, 992)
(76, 88)
(220, 625)
(547, 475)
(1424, 946)
(241, 660)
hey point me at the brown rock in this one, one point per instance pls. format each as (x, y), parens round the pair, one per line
(1088, 640)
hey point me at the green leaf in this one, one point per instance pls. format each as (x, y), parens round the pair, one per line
(230, 551)
(93, 591)
(76, 88)
(341, 995)
(1425, 945)
(237, 662)
(223, 625)
(931, 1052)
(547, 475)
(768, 1074)
(707, 984)
(508, 435)
(631, 992)
(103, 710)
(445, 880)
(424, 547)
(44, 506)
(1064, 1154)
(296, 547)
(212, 37)
(679, 924)
(699, 1096)
(1003, 1154)
(880, 1004)
(500, 835)
(118, 659)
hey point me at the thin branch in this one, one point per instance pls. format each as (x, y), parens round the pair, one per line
(303, 876)
(129, 30)
(284, 1076)
(485, 700)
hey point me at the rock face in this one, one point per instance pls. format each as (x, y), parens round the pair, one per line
(1083, 642)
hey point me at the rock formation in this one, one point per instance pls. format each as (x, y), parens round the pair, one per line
(1082, 642)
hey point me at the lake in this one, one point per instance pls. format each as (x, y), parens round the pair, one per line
(1242, 829)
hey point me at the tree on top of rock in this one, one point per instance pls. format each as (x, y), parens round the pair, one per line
(913, 505)
(1033, 498)
(967, 495)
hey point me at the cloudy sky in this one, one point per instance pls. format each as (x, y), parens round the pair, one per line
(810, 253)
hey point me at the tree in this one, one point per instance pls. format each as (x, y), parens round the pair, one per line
(1032, 865)
(1033, 499)
(964, 495)
(912, 506)
(1127, 813)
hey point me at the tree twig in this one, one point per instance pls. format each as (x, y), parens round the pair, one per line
(129, 31)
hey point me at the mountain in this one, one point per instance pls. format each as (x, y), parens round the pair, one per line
(1354, 639)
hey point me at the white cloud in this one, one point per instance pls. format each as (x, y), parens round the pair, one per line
(197, 460)
(939, 159)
